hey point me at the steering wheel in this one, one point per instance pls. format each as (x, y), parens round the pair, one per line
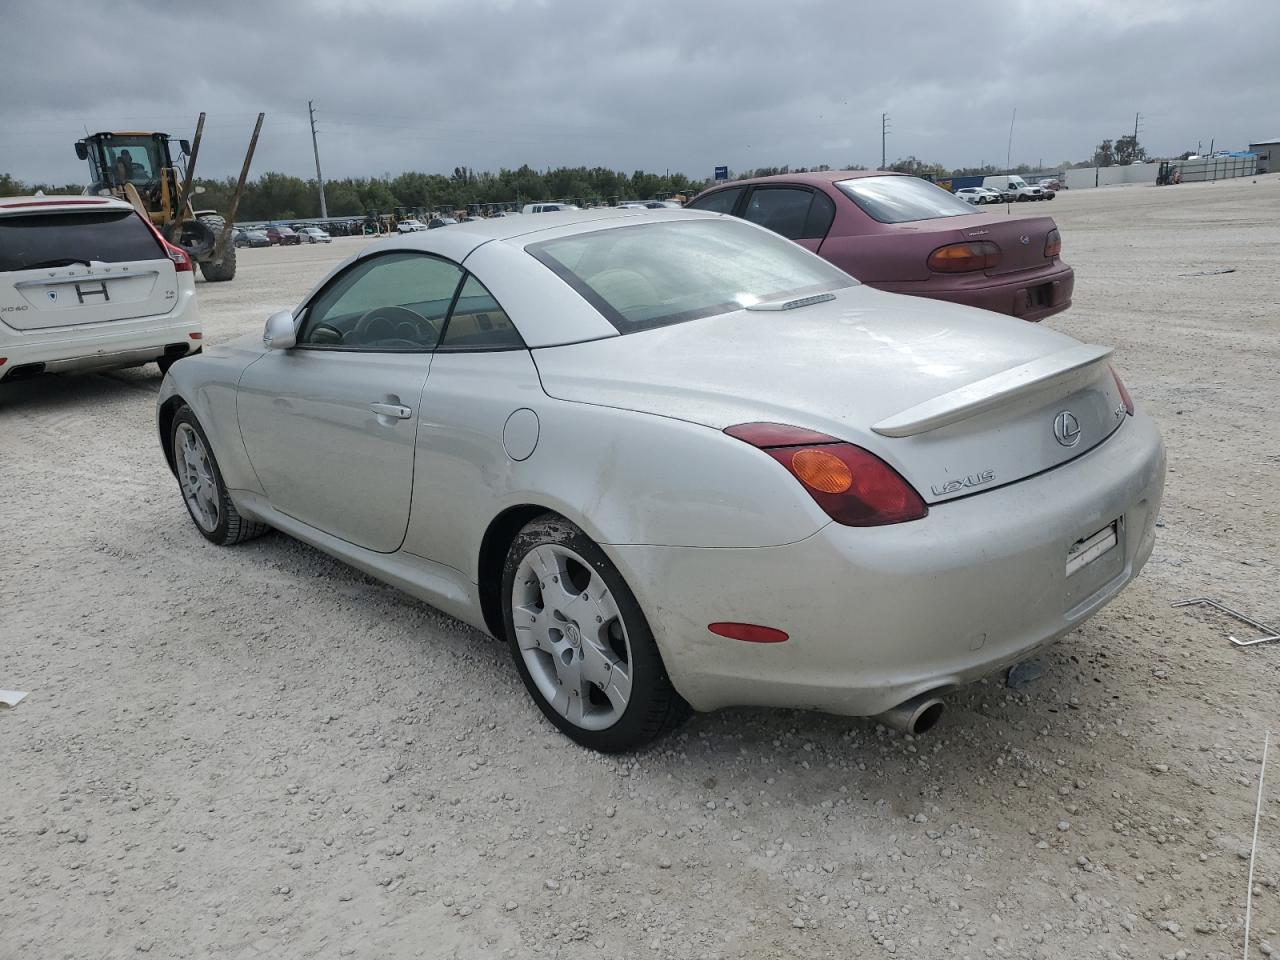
(334, 334)
(381, 323)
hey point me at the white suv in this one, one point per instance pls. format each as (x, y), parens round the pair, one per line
(87, 284)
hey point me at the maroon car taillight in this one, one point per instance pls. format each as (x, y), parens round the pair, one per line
(963, 257)
(1053, 243)
(1124, 393)
(852, 486)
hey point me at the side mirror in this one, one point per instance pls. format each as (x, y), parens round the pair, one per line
(82, 150)
(186, 146)
(280, 333)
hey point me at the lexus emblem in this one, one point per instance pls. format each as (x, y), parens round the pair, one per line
(1066, 428)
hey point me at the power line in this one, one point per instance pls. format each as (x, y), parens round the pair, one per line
(884, 132)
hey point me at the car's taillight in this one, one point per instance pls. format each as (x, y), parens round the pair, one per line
(853, 486)
(1053, 243)
(962, 257)
(1124, 394)
(181, 260)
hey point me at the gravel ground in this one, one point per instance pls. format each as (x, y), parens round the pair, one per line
(258, 752)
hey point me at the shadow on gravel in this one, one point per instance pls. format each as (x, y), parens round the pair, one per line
(56, 392)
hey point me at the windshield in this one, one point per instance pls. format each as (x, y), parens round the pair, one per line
(659, 273)
(47, 240)
(902, 199)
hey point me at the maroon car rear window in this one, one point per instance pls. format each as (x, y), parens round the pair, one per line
(31, 241)
(903, 199)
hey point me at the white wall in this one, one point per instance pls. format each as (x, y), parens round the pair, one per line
(1082, 177)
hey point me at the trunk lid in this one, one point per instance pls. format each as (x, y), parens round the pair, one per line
(958, 400)
(1021, 239)
(76, 267)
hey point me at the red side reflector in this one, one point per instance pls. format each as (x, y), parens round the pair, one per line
(196, 336)
(748, 632)
(3, 361)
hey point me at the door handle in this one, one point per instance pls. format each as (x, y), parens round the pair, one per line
(395, 410)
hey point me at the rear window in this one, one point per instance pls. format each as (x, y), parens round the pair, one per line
(655, 274)
(30, 241)
(902, 199)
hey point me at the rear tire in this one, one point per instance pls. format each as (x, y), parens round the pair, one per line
(224, 269)
(583, 648)
(203, 490)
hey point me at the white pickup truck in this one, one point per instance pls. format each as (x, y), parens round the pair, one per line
(1012, 184)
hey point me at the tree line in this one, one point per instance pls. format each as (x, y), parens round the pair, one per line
(281, 196)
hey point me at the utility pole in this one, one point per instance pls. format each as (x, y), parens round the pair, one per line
(884, 132)
(315, 147)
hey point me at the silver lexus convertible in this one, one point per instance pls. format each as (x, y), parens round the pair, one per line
(676, 460)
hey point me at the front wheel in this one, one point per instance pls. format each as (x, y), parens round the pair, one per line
(581, 642)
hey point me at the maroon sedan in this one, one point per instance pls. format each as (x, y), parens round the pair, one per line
(906, 235)
(283, 236)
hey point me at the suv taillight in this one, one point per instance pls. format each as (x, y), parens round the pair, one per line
(1052, 243)
(853, 486)
(963, 257)
(181, 259)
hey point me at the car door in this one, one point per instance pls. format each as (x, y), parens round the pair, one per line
(797, 213)
(330, 424)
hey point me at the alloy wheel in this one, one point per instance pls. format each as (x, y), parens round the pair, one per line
(571, 637)
(196, 477)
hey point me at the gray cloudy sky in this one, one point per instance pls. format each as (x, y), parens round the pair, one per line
(628, 84)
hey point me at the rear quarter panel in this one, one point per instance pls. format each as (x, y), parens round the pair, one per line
(624, 477)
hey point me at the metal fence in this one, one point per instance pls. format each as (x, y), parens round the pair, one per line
(1217, 168)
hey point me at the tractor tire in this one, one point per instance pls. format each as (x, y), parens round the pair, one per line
(225, 269)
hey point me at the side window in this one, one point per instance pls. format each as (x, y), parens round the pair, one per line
(722, 201)
(821, 212)
(395, 302)
(783, 210)
(478, 322)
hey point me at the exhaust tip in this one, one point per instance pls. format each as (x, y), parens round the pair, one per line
(918, 715)
(928, 718)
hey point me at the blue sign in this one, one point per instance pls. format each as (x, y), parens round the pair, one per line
(722, 173)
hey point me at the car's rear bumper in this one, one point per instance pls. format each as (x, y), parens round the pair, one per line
(878, 615)
(1030, 295)
(115, 343)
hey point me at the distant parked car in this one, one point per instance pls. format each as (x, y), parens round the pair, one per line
(435, 223)
(978, 195)
(410, 226)
(1052, 183)
(1021, 190)
(87, 284)
(314, 235)
(548, 207)
(905, 235)
(250, 238)
(282, 236)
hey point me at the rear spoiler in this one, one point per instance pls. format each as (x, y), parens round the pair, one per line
(1054, 371)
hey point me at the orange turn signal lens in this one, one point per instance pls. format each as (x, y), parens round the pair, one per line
(822, 471)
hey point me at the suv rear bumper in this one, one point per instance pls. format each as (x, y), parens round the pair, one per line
(113, 344)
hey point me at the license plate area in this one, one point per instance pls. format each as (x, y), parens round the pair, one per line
(1094, 562)
(1088, 549)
